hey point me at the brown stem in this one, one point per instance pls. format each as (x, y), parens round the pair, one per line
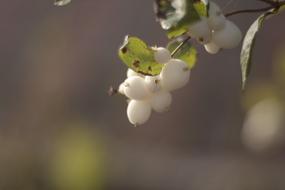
(273, 5)
(248, 11)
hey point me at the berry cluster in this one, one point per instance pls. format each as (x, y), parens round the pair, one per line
(215, 32)
(147, 93)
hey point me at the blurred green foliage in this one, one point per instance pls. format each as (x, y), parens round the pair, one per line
(78, 162)
(275, 89)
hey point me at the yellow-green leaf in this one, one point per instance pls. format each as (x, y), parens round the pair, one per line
(248, 45)
(175, 16)
(139, 57)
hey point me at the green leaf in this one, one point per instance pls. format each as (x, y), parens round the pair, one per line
(281, 9)
(61, 2)
(248, 45)
(77, 160)
(186, 53)
(139, 57)
(175, 16)
(201, 8)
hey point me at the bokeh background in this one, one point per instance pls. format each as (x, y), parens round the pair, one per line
(60, 130)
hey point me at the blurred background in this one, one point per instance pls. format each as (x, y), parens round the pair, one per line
(60, 130)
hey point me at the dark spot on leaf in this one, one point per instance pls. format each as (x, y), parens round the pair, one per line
(124, 50)
(136, 63)
(144, 73)
(149, 68)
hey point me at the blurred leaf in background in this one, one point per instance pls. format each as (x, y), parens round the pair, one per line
(257, 92)
(78, 162)
(279, 68)
(264, 125)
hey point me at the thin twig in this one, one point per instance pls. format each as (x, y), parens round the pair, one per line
(180, 46)
(248, 11)
(273, 5)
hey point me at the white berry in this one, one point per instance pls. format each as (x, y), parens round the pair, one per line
(228, 37)
(161, 101)
(216, 19)
(131, 73)
(135, 88)
(121, 88)
(152, 83)
(162, 55)
(212, 48)
(138, 112)
(174, 75)
(205, 1)
(201, 31)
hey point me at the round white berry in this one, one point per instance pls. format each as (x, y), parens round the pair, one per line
(216, 19)
(152, 83)
(138, 112)
(228, 37)
(161, 101)
(135, 88)
(205, 1)
(174, 75)
(201, 31)
(212, 48)
(131, 73)
(121, 89)
(162, 55)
